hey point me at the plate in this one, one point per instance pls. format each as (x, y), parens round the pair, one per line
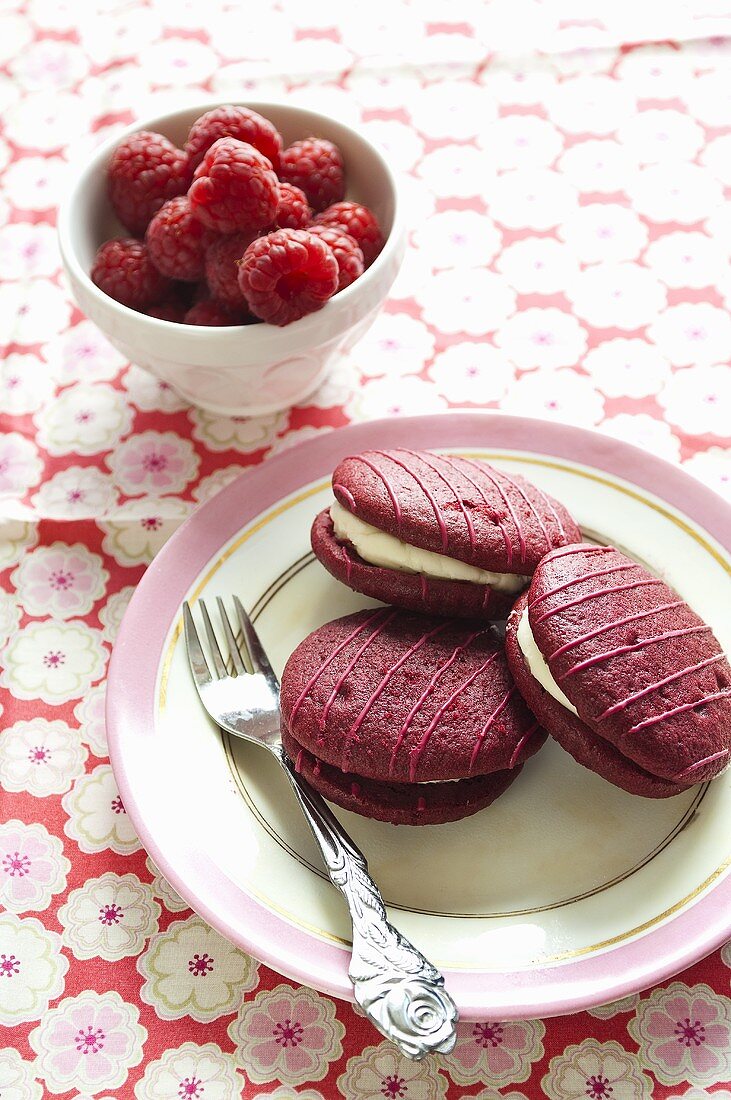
(567, 892)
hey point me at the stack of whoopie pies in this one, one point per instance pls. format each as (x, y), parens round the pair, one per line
(418, 713)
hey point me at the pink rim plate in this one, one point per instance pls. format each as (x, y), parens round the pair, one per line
(542, 991)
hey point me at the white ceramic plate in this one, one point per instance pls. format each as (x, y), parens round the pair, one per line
(564, 894)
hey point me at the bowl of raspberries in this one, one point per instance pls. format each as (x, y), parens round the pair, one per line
(234, 250)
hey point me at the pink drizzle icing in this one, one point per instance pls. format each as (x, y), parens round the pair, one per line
(631, 648)
(427, 692)
(351, 665)
(418, 751)
(660, 683)
(380, 687)
(610, 626)
(506, 500)
(549, 504)
(316, 676)
(522, 493)
(577, 548)
(427, 493)
(490, 722)
(450, 486)
(656, 718)
(503, 530)
(578, 580)
(521, 745)
(699, 764)
(340, 490)
(388, 487)
(592, 596)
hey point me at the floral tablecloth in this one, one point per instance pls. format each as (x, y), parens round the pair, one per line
(564, 174)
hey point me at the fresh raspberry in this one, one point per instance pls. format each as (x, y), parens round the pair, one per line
(287, 274)
(234, 188)
(293, 211)
(145, 170)
(177, 241)
(316, 166)
(360, 222)
(210, 313)
(235, 122)
(345, 250)
(123, 270)
(169, 310)
(222, 269)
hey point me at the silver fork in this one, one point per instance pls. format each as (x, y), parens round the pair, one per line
(400, 991)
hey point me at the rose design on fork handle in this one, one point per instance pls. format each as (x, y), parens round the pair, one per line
(415, 1013)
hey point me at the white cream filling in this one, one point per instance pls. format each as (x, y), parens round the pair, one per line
(537, 663)
(379, 548)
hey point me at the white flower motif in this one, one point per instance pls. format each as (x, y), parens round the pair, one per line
(601, 165)
(623, 296)
(109, 917)
(40, 756)
(471, 372)
(49, 65)
(687, 259)
(97, 817)
(17, 1078)
(191, 1071)
(85, 420)
(697, 399)
(208, 486)
(17, 33)
(52, 661)
(538, 265)
(457, 112)
(707, 98)
(190, 970)
(531, 198)
(646, 432)
(285, 1093)
(25, 384)
(35, 183)
(382, 1071)
(16, 536)
(83, 354)
(684, 1034)
(598, 1071)
(78, 492)
(512, 81)
(20, 464)
(712, 467)
(27, 251)
(473, 300)
(461, 176)
(108, 39)
(613, 1008)
(60, 580)
(501, 1052)
(717, 158)
(154, 462)
(686, 195)
(457, 238)
(627, 367)
(88, 1042)
(400, 144)
(32, 866)
(397, 344)
(151, 394)
(402, 397)
(236, 433)
(521, 141)
(661, 135)
(141, 527)
(590, 104)
(604, 231)
(9, 615)
(692, 332)
(656, 72)
(178, 61)
(542, 338)
(111, 615)
(289, 1035)
(561, 395)
(32, 970)
(32, 312)
(162, 889)
(90, 713)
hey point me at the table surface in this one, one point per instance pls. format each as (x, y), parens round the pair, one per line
(564, 170)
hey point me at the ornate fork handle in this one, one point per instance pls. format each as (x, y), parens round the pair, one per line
(400, 991)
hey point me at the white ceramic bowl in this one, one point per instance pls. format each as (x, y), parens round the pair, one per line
(242, 370)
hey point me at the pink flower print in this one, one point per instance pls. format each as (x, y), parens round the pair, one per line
(154, 462)
(60, 580)
(110, 914)
(288, 1033)
(20, 464)
(90, 1041)
(394, 1087)
(54, 658)
(190, 1088)
(39, 754)
(9, 966)
(118, 805)
(16, 864)
(684, 1034)
(32, 866)
(200, 965)
(500, 1052)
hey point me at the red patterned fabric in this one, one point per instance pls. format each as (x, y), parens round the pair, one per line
(565, 169)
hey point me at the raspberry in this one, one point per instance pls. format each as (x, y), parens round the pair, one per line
(145, 170)
(222, 271)
(235, 122)
(287, 274)
(360, 222)
(234, 188)
(344, 249)
(123, 270)
(293, 211)
(177, 241)
(213, 314)
(169, 310)
(316, 166)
